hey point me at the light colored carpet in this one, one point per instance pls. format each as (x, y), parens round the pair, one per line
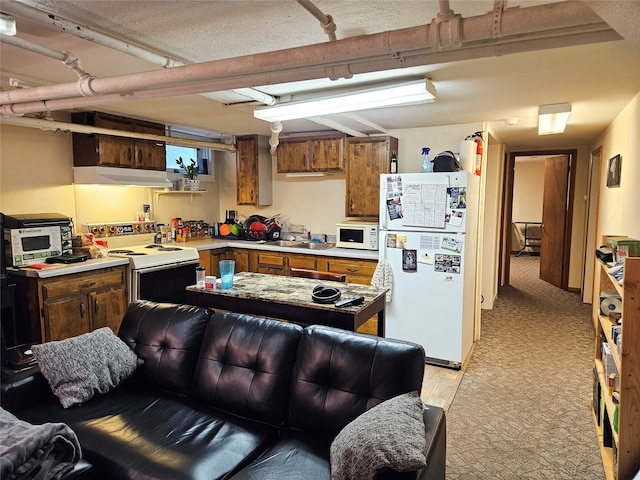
(523, 407)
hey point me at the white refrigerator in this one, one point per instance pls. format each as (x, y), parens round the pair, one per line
(428, 231)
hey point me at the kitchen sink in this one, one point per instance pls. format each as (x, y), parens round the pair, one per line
(301, 244)
(285, 243)
(315, 245)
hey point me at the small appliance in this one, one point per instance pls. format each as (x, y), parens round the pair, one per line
(357, 234)
(32, 238)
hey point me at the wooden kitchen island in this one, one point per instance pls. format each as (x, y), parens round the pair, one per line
(289, 298)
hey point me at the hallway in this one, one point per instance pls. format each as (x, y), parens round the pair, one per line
(523, 407)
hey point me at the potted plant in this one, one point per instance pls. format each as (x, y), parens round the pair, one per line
(191, 182)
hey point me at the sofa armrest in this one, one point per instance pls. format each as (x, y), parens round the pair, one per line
(435, 428)
(435, 424)
(23, 389)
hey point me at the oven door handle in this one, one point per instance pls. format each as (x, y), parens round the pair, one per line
(166, 266)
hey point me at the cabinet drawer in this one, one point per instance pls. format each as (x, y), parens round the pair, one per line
(83, 282)
(309, 262)
(360, 268)
(271, 260)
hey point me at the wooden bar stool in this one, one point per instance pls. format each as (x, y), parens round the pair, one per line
(304, 273)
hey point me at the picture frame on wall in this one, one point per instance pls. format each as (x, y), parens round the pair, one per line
(614, 169)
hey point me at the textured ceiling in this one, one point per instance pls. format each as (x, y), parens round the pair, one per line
(598, 79)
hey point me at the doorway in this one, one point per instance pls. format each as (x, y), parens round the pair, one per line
(555, 219)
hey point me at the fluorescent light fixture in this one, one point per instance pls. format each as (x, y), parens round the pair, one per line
(306, 174)
(553, 118)
(420, 91)
(7, 25)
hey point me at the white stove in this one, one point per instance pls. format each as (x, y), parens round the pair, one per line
(157, 271)
(154, 255)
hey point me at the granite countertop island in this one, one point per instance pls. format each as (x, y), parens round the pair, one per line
(289, 298)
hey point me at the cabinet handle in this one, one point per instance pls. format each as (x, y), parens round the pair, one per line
(129, 154)
(140, 159)
(96, 306)
(352, 270)
(87, 285)
(81, 309)
(351, 204)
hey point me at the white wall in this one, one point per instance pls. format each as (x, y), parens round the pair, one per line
(618, 212)
(36, 176)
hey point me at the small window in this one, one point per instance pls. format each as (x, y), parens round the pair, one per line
(201, 155)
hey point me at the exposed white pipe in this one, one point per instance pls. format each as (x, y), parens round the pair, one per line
(274, 141)
(53, 125)
(326, 21)
(65, 57)
(30, 10)
(523, 30)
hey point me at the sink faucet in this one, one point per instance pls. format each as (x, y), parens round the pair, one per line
(309, 235)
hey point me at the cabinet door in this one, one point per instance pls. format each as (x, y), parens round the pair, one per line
(242, 260)
(247, 170)
(367, 159)
(66, 317)
(115, 151)
(293, 156)
(214, 261)
(327, 154)
(269, 262)
(150, 155)
(108, 307)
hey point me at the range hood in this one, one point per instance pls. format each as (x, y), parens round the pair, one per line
(120, 176)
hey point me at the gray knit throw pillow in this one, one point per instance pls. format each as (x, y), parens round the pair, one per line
(90, 364)
(387, 436)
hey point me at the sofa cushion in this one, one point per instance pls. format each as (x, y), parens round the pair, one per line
(390, 435)
(139, 433)
(245, 366)
(339, 375)
(168, 338)
(80, 367)
(295, 455)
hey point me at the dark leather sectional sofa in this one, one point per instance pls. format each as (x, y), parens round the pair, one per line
(234, 396)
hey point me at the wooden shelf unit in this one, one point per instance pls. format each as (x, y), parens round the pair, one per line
(623, 462)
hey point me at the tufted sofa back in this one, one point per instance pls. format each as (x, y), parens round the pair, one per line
(245, 366)
(338, 375)
(168, 338)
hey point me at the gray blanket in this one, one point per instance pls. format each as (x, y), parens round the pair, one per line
(36, 451)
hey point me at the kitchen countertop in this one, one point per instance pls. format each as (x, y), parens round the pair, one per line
(214, 243)
(57, 269)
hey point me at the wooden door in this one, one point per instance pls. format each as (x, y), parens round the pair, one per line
(108, 307)
(66, 317)
(327, 154)
(293, 156)
(116, 151)
(367, 158)
(554, 220)
(247, 170)
(150, 155)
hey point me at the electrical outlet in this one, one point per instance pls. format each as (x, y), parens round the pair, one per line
(296, 228)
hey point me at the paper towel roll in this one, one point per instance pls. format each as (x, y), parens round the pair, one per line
(468, 155)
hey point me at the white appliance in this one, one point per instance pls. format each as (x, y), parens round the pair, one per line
(357, 234)
(428, 231)
(158, 272)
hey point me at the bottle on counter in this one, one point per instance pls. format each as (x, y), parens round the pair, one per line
(427, 166)
(394, 162)
(200, 274)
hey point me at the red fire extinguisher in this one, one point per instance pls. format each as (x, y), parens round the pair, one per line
(477, 137)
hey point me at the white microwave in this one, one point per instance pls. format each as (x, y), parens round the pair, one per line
(361, 235)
